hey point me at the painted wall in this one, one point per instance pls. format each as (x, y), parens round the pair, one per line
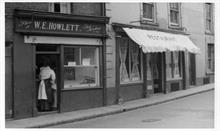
(193, 21)
(126, 13)
(162, 15)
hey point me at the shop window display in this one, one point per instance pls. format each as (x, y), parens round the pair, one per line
(155, 66)
(130, 62)
(173, 65)
(81, 67)
(211, 58)
(149, 68)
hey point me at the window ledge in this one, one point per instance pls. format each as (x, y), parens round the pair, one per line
(209, 33)
(174, 79)
(210, 73)
(176, 27)
(131, 83)
(80, 88)
(146, 22)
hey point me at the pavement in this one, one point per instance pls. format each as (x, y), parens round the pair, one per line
(61, 118)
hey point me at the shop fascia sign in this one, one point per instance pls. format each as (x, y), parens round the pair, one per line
(55, 26)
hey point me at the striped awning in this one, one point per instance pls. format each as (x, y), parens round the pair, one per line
(156, 41)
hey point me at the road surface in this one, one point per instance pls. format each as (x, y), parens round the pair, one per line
(195, 111)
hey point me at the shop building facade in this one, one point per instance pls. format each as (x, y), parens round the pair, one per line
(176, 71)
(96, 59)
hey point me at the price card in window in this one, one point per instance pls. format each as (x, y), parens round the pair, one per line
(71, 63)
(86, 61)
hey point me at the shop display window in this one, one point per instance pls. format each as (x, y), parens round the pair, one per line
(152, 66)
(130, 62)
(149, 68)
(173, 65)
(81, 67)
(211, 58)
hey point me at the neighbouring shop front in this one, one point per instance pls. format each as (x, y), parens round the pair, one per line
(73, 46)
(149, 61)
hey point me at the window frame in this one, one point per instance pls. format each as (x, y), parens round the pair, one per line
(64, 7)
(149, 21)
(172, 63)
(98, 82)
(211, 70)
(172, 24)
(130, 63)
(209, 18)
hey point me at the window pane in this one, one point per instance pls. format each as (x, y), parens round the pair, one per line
(87, 9)
(176, 64)
(56, 7)
(80, 77)
(135, 63)
(208, 10)
(174, 16)
(148, 11)
(149, 68)
(211, 58)
(168, 65)
(174, 6)
(89, 56)
(155, 66)
(173, 65)
(208, 24)
(130, 62)
(124, 60)
(72, 56)
(180, 64)
(81, 67)
(208, 16)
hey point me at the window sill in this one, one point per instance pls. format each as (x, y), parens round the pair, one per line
(176, 27)
(174, 79)
(80, 88)
(131, 83)
(209, 33)
(147, 22)
(210, 73)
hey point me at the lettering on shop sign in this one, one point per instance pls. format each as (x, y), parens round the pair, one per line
(51, 26)
(164, 38)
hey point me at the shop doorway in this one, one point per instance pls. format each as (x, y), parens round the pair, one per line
(50, 104)
(157, 72)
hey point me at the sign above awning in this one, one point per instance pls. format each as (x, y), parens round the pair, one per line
(156, 41)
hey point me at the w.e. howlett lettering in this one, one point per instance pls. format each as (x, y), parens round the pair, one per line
(44, 25)
(27, 25)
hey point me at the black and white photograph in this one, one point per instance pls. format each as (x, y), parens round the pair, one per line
(110, 64)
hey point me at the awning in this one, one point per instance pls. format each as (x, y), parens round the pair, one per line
(156, 41)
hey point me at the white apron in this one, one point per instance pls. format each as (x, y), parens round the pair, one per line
(45, 73)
